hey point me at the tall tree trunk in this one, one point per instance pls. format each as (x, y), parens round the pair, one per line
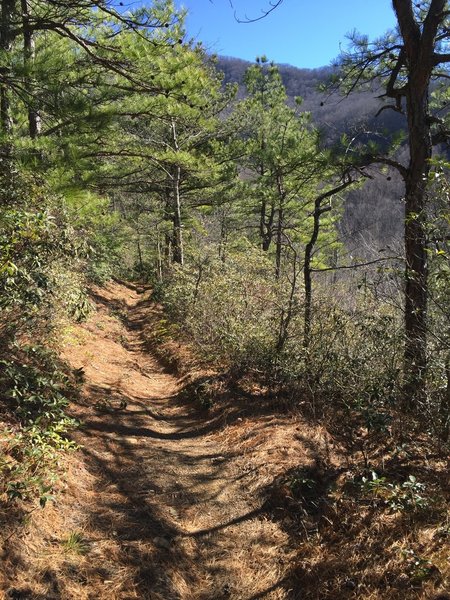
(6, 40)
(420, 55)
(141, 262)
(444, 408)
(307, 279)
(279, 242)
(288, 313)
(319, 210)
(280, 225)
(268, 228)
(262, 216)
(266, 219)
(416, 269)
(29, 55)
(262, 223)
(416, 295)
(223, 239)
(168, 236)
(167, 250)
(178, 252)
(265, 242)
(159, 261)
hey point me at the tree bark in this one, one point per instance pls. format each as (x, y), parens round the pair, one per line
(263, 208)
(280, 225)
(416, 270)
(141, 262)
(178, 252)
(419, 47)
(159, 261)
(267, 227)
(265, 220)
(444, 409)
(319, 210)
(288, 314)
(29, 55)
(223, 239)
(6, 41)
(307, 279)
(167, 250)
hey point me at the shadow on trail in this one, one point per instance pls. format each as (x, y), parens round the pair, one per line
(159, 474)
(130, 429)
(140, 533)
(141, 509)
(139, 512)
(240, 519)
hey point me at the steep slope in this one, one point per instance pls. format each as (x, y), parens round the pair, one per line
(333, 113)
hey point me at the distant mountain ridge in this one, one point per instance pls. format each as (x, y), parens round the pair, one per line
(373, 215)
(333, 113)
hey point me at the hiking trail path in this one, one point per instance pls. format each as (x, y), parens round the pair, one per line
(165, 504)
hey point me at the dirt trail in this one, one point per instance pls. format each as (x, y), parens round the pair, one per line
(164, 511)
(167, 502)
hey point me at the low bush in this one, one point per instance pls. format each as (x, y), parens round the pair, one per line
(35, 392)
(49, 247)
(234, 312)
(227, 310)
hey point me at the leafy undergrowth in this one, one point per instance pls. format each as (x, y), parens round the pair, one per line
(35, 391)
(380, 532)
(366, 534)
(46, 254)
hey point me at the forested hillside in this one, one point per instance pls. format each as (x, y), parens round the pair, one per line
(330, 111)
(373, 216)
(225, 312)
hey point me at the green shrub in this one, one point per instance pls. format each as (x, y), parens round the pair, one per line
(233, 311)
(42, 260)
(399, 497)
(226, 309)
(35, 391)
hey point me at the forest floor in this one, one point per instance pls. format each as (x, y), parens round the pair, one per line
(162, 506)
(166, 500)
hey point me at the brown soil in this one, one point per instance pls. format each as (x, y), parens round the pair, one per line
(170, 502)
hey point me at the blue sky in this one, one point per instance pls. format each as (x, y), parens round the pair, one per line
(304, 33)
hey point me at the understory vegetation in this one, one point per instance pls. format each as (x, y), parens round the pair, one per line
(123, 154)
(48, 255)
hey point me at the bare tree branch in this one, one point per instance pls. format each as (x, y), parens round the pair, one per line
(357, 265)
(265, 12)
